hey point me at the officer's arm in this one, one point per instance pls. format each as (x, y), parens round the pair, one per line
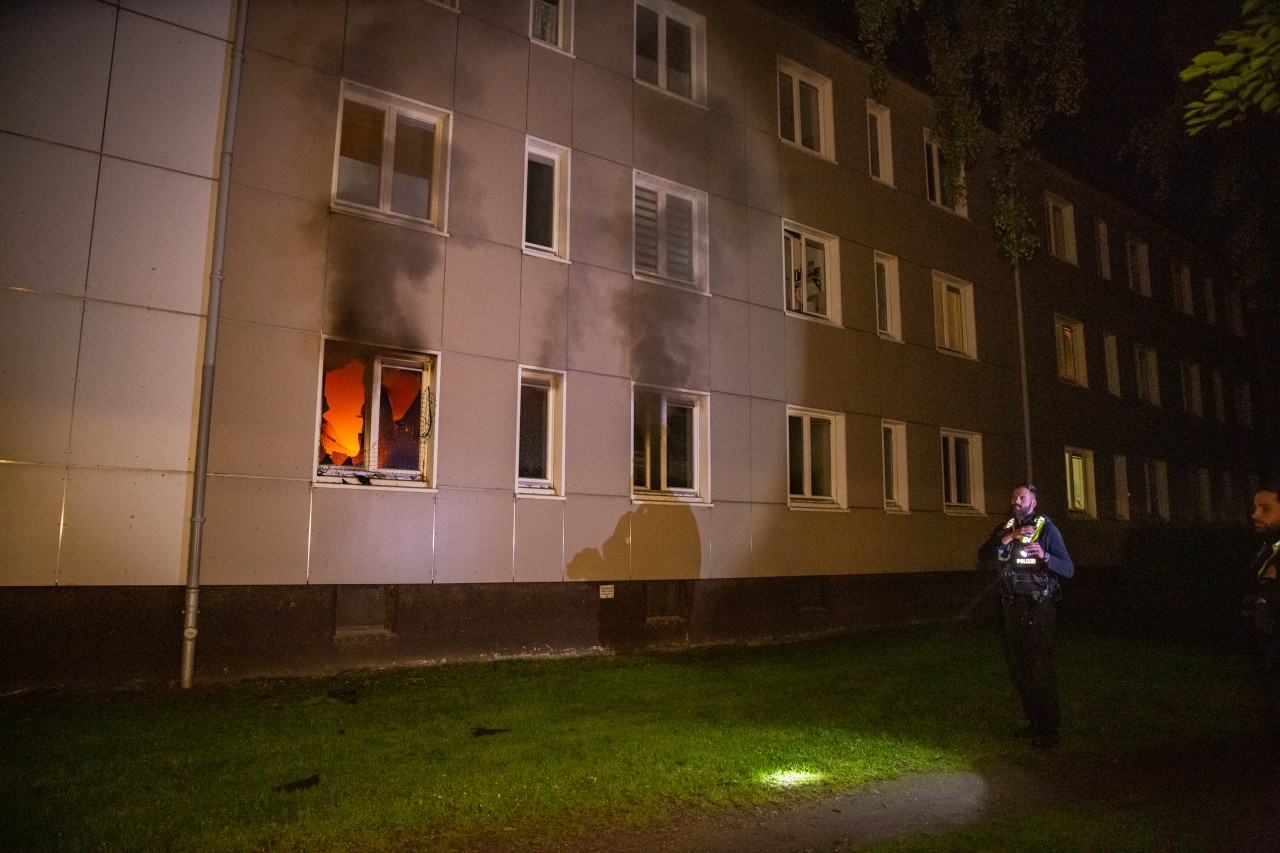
(1056, 550)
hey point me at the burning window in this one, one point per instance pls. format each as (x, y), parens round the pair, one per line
(377, 412)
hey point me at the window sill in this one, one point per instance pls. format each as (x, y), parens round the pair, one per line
(894, 509)
(1071, 382)
(956, 353)
(549, 46)
(688, 287)
(882, 182)
(350, 482)
(336, 206)
(961, 214)
(963, 510)
(814, 318)
(661, 498)
(888, 336)
(693, 102)
(806, 150)
(815, 506)
(539, 494)
(546, 254)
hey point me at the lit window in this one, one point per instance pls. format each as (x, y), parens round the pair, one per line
(805, 108)
(1062, 228)
(894, 447)
(811, 260)
(953, 315)
(1156, 474)
(880, 142)
(670, 231)
(935, 183)
(1219, 398)
(962, 470)
(1139, 269)
(1121, 468)
(815, 452)
(1210, 303)
(540, 464)
(669, 48)
(669, 445)
(546, 198)
(377, 415)
(391, 158)
(1110, 352)
(551, 22)
(1080, 496)
(1182, 296)
(1071, 359)
(1192, 399)
(1147, 371)
(1104, 250)
(888, 300)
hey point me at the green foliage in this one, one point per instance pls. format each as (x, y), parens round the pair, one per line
(1244, 74)
(878, 22)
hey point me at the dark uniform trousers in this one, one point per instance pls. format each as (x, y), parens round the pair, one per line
(1028, 647)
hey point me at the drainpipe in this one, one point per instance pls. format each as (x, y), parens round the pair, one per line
(1022, 370)
(210, 354)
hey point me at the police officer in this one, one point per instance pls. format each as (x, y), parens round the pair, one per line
(1031, 560)
(1266, 610)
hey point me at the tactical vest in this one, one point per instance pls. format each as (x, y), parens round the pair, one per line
(1023, 575)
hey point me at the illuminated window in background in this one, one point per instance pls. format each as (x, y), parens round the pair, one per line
(669, 48)
(1071, 354)
(812, 263)
(670, 231)
(1182, 295)
(935, 184)
(815, 452)
(669, 444)
(551, 22)
(962, 471)
(953, 315)
(1104, 249)
(880, 142)
(1147, 371)
(1138, 266)
(805, 108)
(888, 300)
(1062, 228)
(1156, 474)
(1120, 467)
(1192, 399)
(376, 416)
(893, 440)
(391, 156)
(1080, 496)
(540, 468)
(1110, 351)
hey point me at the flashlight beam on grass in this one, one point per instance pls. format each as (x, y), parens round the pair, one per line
(791, 778)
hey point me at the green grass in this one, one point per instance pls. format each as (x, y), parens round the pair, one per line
(576, 745)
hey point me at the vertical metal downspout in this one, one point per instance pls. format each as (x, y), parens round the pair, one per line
(210, 353)
(1022, 369)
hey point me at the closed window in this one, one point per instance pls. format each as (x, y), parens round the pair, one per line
(392, 157)
(1071, 360)
(962, 471)
(670, 43)
(935, 184)
(888, 299)
(1120, 467)
(815, 453)
(546, 198)
(670, 231)
(1192, 397)
(1156, 474)
(551, 22)
(805, 108)
(880, 142)
(669, 444)
(811, 262)
(1111, 354)
(1080, 494)
(1104, 249)
(1147, 372)
(540, 459)
(1182, 296)
(893, 441)
(1138, 266)
(953, 315)
(377, 412)
(1062, 228)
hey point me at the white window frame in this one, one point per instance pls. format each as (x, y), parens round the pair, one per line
(796, 240)
(1219, 398)
(1183, 298)
(1069, 340)
(1081, 495)
(1210, 303)
(952, 500)
(666, 10)
(1138, 261)
(1104, 249)
(562, 39)
(1156, 474)
(935, 187)
(1120, 468)
(654, 451)
(1062, 227)
(1110, 352)
(1147, 374)
(1244, 403)
(884, 271)
(798, 75)
(553, 382)
(1192, 395)
(948, 293)
(893, 450)
(835, 452)
(557, 157)
(1235, 313)
(374, 361)
(663, 190)
(879, 142)
(393, 107)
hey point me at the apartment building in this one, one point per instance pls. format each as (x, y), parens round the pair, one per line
(547, 326)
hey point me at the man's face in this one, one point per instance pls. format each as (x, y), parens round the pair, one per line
(1024, 503)
(1266, 512)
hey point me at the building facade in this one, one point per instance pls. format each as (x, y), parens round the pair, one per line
(550, 326)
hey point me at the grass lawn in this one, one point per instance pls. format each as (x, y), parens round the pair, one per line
(547, 751)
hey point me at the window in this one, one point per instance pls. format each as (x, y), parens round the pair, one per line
(1244, 403)
(670, 231)
(880, 142)
(377, 411)
(962, 471)
(894, 447)
(1104, 249)
(670, 41)
(1235, 313)
(815, 458)
(551, 22)
(1111, 354)
(1071, 361)
(812, 263)
(1157, 481)
(1080, 496)
(953, 315)
(1210, 306)
(669, 445)
(1147, 370)
(540, 462)
(935, 183)
(392, 157)
(1204, 494)
(1139, 270)
(1219, 398)
(1182, 296)
(1192, 400)
(805, 108)
(1062, 228)
(888, 301)
(1120, 466)
(546, 198)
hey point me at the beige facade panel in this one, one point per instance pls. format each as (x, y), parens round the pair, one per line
(539, 543)
(763, 176)
(403, 46)
(597, 435)
(729, 238)
(37, 375)
(806, 195)
(30, 523)
(816, 356)
(544, 313)
(596, 529)
(492, 81)
(476, 416)
(769, 539)
(729, 353)
(731, 448)
(607, 44)
(669, 336)
(371, 536)
(670, 138)
(670, 541)
(482, 299)
(257, 531)
(731, 546)
(550, 105)
(602, 113)
(487, 182)
(817, 543)
(213, 18)
(766, 278)
(308, 34)
(726, 158)
(768, 451)
(601, 213)
(599, 320)
(475, 535)
(767, 342)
